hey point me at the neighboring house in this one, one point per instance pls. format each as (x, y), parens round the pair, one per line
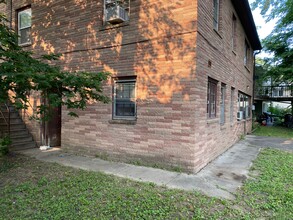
(182, 74)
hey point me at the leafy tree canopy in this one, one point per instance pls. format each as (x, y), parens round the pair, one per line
(20, 73)
(280, 41)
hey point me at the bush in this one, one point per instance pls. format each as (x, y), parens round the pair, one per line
(4, 143)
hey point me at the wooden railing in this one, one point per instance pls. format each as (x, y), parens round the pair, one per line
(274, 91)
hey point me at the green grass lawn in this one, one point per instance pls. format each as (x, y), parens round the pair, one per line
(30, 189)
(274, 131)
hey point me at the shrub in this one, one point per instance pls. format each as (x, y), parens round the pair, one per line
(4, 143)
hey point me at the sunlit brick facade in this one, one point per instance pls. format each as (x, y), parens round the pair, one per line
(170, 50)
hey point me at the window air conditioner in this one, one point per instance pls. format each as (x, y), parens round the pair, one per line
(239, 115)
(116, 14)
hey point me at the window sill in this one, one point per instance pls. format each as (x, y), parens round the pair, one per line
(113, 26)
(25, 45)
(247, 68)
(218, 33)
(212, 120)
(122, 121)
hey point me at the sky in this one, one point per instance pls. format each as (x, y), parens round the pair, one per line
(263, 28)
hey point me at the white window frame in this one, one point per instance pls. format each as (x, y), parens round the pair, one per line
(23, 28)
(124, 81)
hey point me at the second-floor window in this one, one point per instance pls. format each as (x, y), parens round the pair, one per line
(234, 32)
(24, 26)
(216, 11)
(246, 53)
(116, 11)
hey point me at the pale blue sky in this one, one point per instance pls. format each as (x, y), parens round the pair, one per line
(263, 28)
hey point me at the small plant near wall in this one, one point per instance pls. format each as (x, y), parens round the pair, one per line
(4, 143)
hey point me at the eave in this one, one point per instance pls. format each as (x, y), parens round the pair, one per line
(244, 13)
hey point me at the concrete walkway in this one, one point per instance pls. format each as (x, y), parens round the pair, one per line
(221, 178)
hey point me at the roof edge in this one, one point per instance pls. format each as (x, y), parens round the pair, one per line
(244, 13)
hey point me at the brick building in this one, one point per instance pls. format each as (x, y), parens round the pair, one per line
(181, 74)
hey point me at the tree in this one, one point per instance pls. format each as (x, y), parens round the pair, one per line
(21, 72)
(280, 41)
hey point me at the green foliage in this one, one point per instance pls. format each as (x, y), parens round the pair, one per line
(21, 72)
(279, 42)
(4, 143)
(274, 131)
(276, 110)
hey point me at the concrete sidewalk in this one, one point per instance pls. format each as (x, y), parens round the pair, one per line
(221, 178)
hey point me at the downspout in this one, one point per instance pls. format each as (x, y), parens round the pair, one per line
(254, 68)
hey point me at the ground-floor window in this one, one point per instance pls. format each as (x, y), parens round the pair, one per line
(124, 98)
(222, 104)
(232, 105)
(212, 98)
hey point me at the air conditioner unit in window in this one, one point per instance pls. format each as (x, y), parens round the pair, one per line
(239, 115)
(116, 14)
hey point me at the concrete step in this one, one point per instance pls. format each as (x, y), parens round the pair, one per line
(21, 139)
(22, 146)
(13, 126)
(18, 132)
(12, 120)
(12, 114)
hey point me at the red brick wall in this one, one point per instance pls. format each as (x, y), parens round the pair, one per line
(167, 45)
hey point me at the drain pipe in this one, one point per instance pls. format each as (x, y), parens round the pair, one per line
(254, 75)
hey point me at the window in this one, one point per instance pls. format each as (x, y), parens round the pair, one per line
(216, 14)
(232, 105)
(124, 105)
(246, 53)
(234, 23)
(222, 104)
(24, 26)
(211, 98)
(244, 105)
(116, 11)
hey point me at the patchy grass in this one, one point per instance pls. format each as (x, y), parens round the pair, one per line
(274, 131)
(30, 189)
(270, 192)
